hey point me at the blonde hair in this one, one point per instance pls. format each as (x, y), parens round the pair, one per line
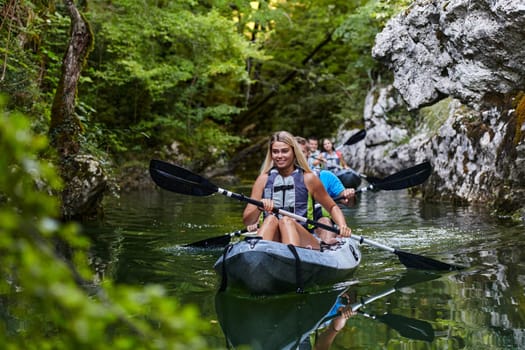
(289, 139)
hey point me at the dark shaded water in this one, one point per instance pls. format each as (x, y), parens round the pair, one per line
(483, 307)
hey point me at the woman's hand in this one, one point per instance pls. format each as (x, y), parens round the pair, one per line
(252, 227)
(339, 322)
(267, 205)
(345, 231)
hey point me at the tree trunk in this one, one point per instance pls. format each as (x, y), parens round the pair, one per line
(65, 126)
(84, 178)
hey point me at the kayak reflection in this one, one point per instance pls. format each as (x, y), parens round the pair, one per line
(288, 321)
(272, 322)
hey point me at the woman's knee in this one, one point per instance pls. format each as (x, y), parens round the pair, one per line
(269, 229)
(287, 221)
(270, 220)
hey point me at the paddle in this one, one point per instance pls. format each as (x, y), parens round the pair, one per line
(410, 278)
(176, 179)
(219, 241)
(355, 138)
(409, 177)
(403, 179)
(406, 326)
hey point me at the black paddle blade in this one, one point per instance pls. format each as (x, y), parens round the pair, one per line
(176, 179)
(406, 178)
(421, 262)
(214, 242)
(355, 138)
(409, 327)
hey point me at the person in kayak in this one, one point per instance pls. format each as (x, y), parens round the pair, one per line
(315, 160)
(335, 189)
(333, 160)
(324, 340)
(286, 182)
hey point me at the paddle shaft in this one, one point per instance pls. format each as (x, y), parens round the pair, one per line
(181, 180)
(257, 203)
(218, 241)
(407, 327)
(367, 301)
(403, 179)
(357, 306)
(407, 259)
(300, 218)
(370, 187)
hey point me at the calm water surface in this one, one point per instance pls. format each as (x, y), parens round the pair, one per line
(483, 307)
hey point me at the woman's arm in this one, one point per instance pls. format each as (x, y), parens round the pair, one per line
(252, 213)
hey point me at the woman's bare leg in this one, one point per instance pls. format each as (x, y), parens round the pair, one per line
(269, 229)
(289, 234)
(307, 239)
(294, 233)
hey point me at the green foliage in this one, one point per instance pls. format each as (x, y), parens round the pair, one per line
(32, 43)
(164, 71)
(358, 33)
(361, 27)
(49, 297)
(155, 83)
(327, 90)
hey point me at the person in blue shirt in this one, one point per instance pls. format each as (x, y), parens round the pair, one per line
(335, 189)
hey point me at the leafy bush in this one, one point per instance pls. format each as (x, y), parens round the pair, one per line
(49, 298)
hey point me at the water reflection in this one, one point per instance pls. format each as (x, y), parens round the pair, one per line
(312, 320)
(273, 322)
(141, 241)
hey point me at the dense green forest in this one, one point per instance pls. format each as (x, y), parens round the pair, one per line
(208, 76)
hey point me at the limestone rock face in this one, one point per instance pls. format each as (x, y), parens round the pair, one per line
(472, 53)
(477, 156)
(471, 50)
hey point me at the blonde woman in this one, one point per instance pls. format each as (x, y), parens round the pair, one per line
(286, 182)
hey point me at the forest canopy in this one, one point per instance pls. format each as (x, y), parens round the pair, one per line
(208, 77)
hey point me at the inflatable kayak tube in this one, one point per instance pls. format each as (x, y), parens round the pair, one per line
(349, 178)
(266, 267)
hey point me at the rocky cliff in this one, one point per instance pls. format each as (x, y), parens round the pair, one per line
(468, 55)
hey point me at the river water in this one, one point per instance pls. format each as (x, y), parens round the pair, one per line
(140, 241)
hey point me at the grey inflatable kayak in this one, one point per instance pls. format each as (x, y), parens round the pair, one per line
(266, 267)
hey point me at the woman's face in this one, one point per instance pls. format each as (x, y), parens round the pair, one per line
(327, 145)
(282, 154)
